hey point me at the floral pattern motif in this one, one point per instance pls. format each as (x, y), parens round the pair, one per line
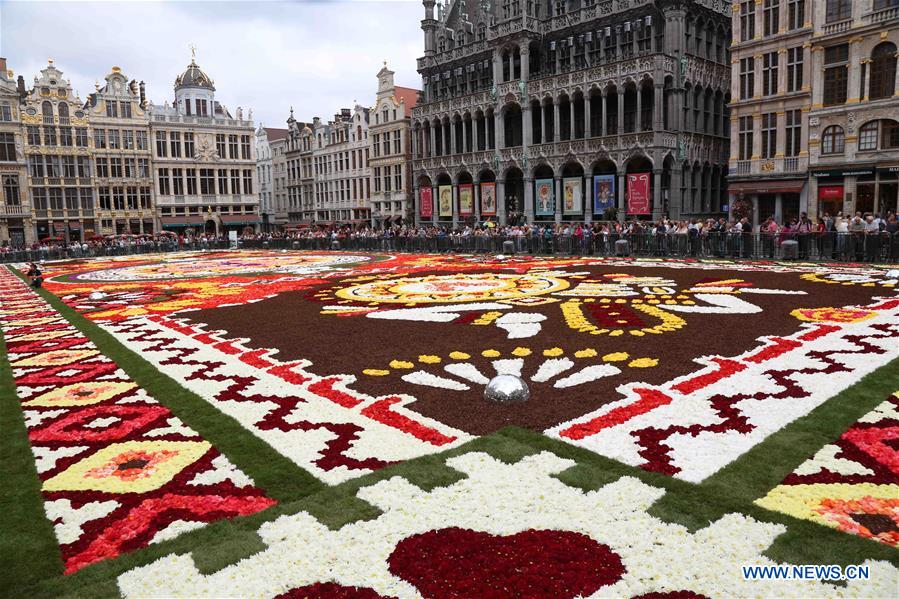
(851, 484)
(498, 520)
(118, 470)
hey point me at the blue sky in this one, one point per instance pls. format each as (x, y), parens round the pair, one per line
(316, 56)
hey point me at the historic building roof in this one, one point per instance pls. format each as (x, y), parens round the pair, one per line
(406, 96)
(274, 134)
(194, 77)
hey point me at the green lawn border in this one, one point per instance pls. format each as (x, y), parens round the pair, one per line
(27, 541)
(766, 465)
(277, 475)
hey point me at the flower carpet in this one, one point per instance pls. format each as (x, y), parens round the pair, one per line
(262, 423)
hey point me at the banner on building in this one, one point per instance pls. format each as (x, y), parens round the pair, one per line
(573, 195)
(445, 200)
(466, 199)
(603, 193)
(638, 193)
(830, 192)
(488, 199)
(544, 198)
(427, 202)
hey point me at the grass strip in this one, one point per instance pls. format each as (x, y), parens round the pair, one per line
(764, 466)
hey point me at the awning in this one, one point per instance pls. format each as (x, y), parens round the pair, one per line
(767, 186)
(74, 226)
(183, 221)
(240, 219)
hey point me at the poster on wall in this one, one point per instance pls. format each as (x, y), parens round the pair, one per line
(638, 193)
(573, 195)
(544, 198)
(466, 199)
(445, 200)
(427, 202)
(488, 199)
(603, 193)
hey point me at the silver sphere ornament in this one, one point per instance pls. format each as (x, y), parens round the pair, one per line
(506, 388)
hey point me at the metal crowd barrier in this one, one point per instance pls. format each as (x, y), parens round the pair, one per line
(837, 247)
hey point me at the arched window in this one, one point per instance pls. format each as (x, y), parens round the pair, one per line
(47, 110)
(441, 44)
(867, 136)
(482, 32)
(833, 140)
(63, 110)
(883, 71)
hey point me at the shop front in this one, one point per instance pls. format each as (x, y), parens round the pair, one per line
(782, 199)
(863, 189)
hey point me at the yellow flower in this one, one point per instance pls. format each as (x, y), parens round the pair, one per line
(585, 353)
(553, 352)
(644, 363)
(400, 364)
(490, 353)
(429, 359)
(521, 352)
(615, 357)
(375, 372)
(459, 355)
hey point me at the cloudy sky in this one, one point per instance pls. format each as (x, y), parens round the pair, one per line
(317, 56)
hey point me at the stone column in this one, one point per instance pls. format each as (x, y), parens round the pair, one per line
(558, 198)
(499, 130)
(455, 204)
(542, 124)
(855, 58)
(588, 198)
(656, 194)
(658, 109)
(588, 129)
(528, 198)
(501, 200)
(474, 135)
(605, 113)
(622, 190)
(571, 118)
(620, 101)
(527, 127)
(638, 119)
(555, 120)
(817, 76)
(476, 198)
(416, 204)
(435, 204)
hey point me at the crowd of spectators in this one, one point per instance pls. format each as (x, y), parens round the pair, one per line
(855, 237)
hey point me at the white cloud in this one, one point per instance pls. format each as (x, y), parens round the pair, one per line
(316, 56)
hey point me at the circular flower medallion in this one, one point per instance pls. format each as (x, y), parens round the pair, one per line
(453, 288)
(458, 562)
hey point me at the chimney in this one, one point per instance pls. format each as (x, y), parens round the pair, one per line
(3, 67)
(143, 95)
(20, 87)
